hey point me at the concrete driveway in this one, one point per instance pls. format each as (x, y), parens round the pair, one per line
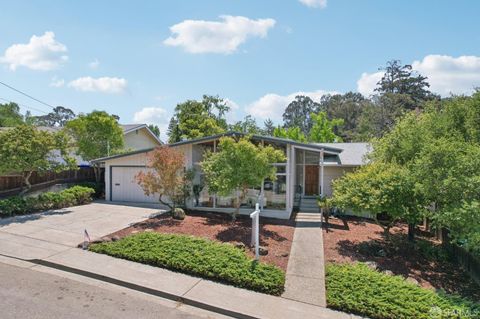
(44, 234)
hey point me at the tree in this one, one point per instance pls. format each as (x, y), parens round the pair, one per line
(349, 108)
(386, 190)
(402, 79)
(322, 130)
(194, 119)
(239, 165)
(155, 130)
(297, 113)
(96, 134)
(166, 177)
(291, 133)
(247, 126)
(269, 127)
(10, 115)
(25, 149)
(58, 118)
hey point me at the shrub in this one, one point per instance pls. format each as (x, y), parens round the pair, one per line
(98, 187)
(361, 290)
(17, 205)
(197, 256)
(178, 213)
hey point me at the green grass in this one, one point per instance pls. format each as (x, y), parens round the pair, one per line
(364, 291)
(197, 256)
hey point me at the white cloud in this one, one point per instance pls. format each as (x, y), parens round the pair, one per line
(103, 84)
(153, 115)
(41, 53)
(56, 82)
(94, 64)
(368, 82)
(446, 75)
(314, 3)
(273, 105)
(225, 36)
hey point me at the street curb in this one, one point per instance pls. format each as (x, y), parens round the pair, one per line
(129, 285)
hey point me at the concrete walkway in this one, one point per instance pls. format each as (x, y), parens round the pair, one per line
(48, 241)
(305, 278)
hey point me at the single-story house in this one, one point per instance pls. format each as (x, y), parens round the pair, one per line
(307, 172)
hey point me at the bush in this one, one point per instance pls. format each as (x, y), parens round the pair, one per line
(17, 205)
(178, 213)
(98, 187)
(360, 290)
(197, 256)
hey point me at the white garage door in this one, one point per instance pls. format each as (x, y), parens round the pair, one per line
(125, 188)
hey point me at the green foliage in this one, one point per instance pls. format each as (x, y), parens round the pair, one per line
(16, 205)
(199, 257)
(97, 134)
(349, 108)
(402, 79)
(360, 290)
(247, 126)
(379, 188)
(291, 133)
(10, 115)
(194, 119)
(298, 113)
(155, 130)
(440, 146)
(59, 117)
(236, 166)
(322, 130)
(269, 127)
(25, 149)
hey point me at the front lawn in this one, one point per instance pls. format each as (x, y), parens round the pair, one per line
(197, 256)
(358, 289)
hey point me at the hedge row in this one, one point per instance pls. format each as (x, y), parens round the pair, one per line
(197, 256)
(363, 291)
(16, 205)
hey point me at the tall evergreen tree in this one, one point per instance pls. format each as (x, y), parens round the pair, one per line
(297, 113)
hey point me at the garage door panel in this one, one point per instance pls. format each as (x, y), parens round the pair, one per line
(125, 188)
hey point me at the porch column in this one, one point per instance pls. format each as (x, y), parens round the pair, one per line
(215, 195)
(321, 174)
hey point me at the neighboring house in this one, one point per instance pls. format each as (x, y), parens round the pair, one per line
(136, 136)
(308, 171)
(139, 136)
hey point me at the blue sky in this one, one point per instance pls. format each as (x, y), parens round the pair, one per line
(257, 54)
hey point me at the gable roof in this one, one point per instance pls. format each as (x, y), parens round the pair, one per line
(127, 128)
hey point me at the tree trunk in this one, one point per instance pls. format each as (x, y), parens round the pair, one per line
(411, 232)
(172, 208)
(96, 171)
(26, 180)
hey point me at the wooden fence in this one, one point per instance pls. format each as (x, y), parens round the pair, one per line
(469, 262)
(12, 184)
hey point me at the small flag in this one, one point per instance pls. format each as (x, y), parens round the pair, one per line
(86, 240)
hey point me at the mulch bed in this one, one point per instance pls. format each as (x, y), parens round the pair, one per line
(355, 239)
(275, 235)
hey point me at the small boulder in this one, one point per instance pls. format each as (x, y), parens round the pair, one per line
(413, 281)
(282, 255)
(178, 213)
(115, 238)
(388, 272)
(262, 251)
(371, 264)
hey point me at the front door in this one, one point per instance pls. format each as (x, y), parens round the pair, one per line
(311, 179)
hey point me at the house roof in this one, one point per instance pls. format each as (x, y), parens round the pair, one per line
(353, 153)
(349, 153)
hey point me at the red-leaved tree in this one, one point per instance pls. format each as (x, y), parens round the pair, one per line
(165, 176)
